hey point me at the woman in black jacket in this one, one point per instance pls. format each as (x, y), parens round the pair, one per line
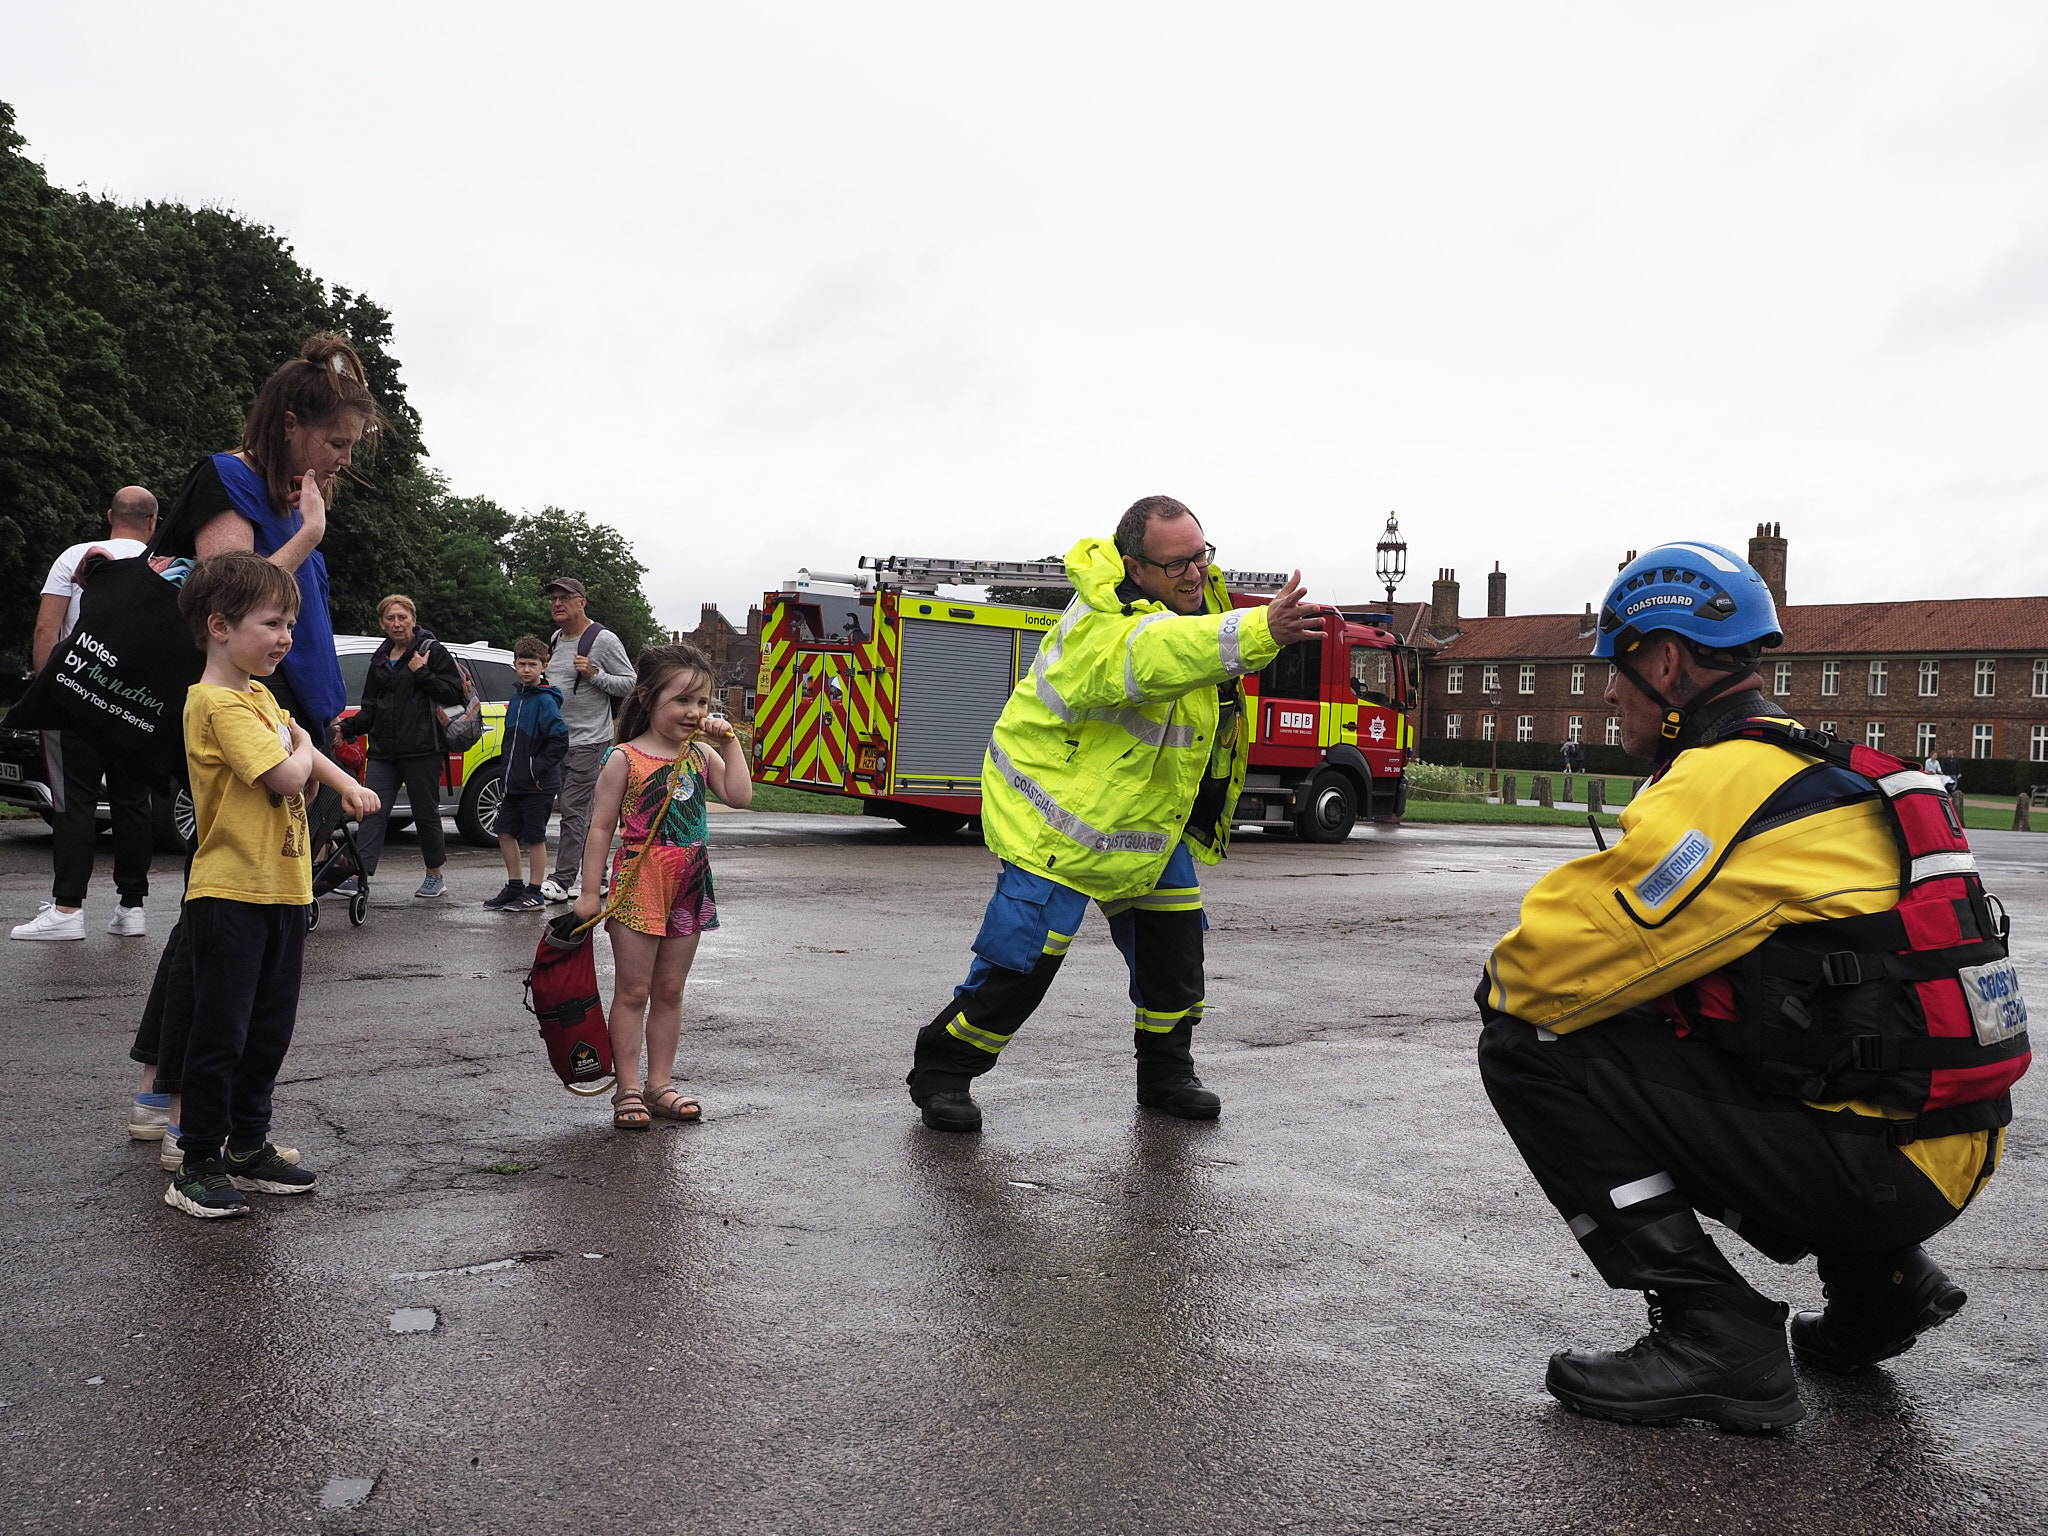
(409, 674)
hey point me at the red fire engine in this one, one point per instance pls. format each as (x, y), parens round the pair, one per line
(872, 685)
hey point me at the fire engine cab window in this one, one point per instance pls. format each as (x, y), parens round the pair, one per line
(1293, 673)
(1370, 675)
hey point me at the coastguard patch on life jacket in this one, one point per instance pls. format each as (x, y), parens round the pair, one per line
(1997, 1008)
(1656, 888)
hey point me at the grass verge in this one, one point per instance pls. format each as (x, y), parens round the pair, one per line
(1518, 815)
(776, 797)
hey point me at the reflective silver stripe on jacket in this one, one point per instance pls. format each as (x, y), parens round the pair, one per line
(1049, 652)
(1131, 689)
(1064, 821)
(1909, 779)
(1154, 733)
(1931, 865)
(1226, 642)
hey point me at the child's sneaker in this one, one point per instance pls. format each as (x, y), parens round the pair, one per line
(148, 1116)
(529, 899)
(128, 923)
(513, 891)
(169, 1158)
(349, 887)
(205, 1190)
(555, 893)
(266, 1172)
(433, 885)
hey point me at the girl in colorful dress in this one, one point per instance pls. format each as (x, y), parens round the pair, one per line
(671, 748)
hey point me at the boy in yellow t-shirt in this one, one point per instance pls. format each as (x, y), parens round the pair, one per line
(250, 884)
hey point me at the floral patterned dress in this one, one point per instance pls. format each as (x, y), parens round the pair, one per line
(661, 875)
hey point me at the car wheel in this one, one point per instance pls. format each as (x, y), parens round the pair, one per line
(1332, 809)
(476, 818)
(174, 826)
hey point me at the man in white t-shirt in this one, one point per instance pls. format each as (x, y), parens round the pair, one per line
(76, 771)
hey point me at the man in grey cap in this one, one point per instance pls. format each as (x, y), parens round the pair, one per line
(591, 667)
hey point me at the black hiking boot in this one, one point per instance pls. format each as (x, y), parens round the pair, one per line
(1166, 1074)
(1703, 1358)
(1878, 1304)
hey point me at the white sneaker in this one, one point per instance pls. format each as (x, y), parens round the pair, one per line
(550, 891)
(49, 923)
(127, 923)
(146, 1122)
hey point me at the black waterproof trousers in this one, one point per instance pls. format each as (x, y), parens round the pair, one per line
(1631, 1130)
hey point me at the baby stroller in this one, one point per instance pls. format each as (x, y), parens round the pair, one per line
(335, 857)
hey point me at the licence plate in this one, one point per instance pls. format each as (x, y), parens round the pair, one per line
(11, 772)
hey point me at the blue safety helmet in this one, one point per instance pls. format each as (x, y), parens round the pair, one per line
(1708, 595)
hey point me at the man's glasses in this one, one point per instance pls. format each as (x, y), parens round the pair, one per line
(1175, 569)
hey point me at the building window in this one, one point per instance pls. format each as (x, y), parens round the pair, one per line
(1575, 728)
(2041, 678)
(1486, 727)
(1873, 735)
(1527, 682)
(1454, 725)
(1489, 679)
(1930, 679)
(1828, 726)
(1614, 730)
(1987, 679)
(1578, 677)
(1923, 740)
(1880, 678)
(1525, 727)
(1454, 680)
(1610, 674)
(1781, 680)
(2037, 744)
(1830, 679)
(1980, 741)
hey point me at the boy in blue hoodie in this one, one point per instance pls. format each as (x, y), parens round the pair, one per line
(536, 741)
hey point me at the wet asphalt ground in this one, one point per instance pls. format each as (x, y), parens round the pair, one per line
(1328, 1311)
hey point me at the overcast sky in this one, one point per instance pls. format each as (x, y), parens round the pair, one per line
(781, 285)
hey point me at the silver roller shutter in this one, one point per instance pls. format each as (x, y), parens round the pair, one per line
(1028, 642)
(954, 681)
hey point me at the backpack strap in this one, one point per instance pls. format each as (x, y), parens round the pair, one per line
(584, 642)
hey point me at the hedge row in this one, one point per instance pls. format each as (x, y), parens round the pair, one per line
(1530, 756)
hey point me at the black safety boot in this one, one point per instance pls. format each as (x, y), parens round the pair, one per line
(1706, 1356)
(1878, 1304)
(1166, 1075)
(944, 1099)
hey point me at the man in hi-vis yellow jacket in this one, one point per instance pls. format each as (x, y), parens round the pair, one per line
(1782, 999)
(1115, 766)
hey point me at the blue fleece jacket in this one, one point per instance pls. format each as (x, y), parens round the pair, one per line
(536, 739)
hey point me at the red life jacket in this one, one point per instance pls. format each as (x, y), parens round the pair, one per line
(1917, 1009)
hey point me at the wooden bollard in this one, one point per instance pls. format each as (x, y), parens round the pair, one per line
(2023, 812)
(1596, 792)
(1539, 786)
(1507, 789)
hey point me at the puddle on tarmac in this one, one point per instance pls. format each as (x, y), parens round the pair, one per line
(414, 1320)
(346, 1492)
(532, 1256)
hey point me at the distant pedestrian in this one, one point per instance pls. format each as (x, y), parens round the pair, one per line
(250, 884)
(409, 674)
(592, 669)
(76, 769)
(652, 791)
(536, 741)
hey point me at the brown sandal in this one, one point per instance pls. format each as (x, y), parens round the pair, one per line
(668, 1103)
(629, 1111)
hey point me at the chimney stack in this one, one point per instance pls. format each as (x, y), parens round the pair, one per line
(1496, 592)
(1587, 623)
(1443, 605)
(1767, 554)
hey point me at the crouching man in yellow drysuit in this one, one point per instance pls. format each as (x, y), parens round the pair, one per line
(1782, 999)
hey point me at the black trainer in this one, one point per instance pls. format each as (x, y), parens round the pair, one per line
(266, 1172)
(525, 898)
(1874, 1311)
(514, 889)
(203, 1189)
(1701, 1359)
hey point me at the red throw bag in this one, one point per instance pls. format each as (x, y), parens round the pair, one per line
(561, 991)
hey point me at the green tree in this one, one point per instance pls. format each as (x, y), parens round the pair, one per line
(553, 542)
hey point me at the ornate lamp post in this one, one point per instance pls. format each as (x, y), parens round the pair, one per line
(1392, 549)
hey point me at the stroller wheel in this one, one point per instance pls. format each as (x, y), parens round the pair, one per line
(312, 916)
(358, 908)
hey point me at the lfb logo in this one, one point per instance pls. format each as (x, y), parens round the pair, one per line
(1297, 720)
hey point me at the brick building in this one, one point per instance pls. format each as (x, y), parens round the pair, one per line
(735, 656)
(1963, 677)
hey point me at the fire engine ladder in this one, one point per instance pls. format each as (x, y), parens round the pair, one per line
(917, 573)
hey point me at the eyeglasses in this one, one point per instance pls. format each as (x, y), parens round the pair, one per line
(1175, 569)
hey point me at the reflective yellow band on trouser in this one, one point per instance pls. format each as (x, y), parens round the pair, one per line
(960, 1029)
(1155, 1022)
(1164, 898)
(1056, 943)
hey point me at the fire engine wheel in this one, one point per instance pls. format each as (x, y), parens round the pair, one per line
(1332, 809)
(926, 822)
